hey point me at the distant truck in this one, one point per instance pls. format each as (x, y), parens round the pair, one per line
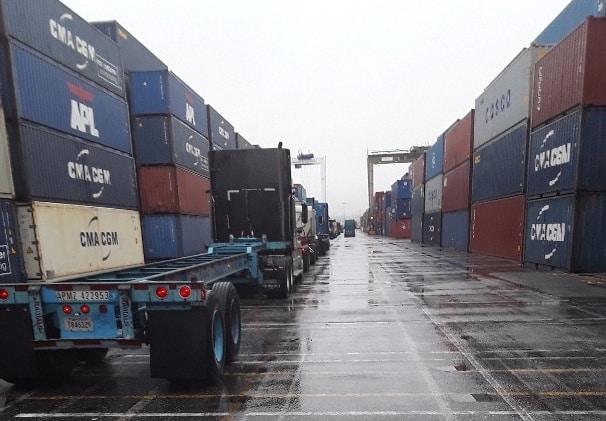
(322, 225)
(349, 228)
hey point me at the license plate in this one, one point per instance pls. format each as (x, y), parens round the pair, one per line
(83, 295)
(79, 324)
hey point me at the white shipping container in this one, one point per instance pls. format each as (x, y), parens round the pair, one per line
(7, 188)
(62, 241)
(507, 99)
(433, 194)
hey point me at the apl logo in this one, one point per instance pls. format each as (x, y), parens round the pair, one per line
(82, 116)
(77, 170)
(60, 31)
(96, 238)
(552, 233)
(554, 157)
(190, 112)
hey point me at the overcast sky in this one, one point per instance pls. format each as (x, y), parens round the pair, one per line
(336, 78)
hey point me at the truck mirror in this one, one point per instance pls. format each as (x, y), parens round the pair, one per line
(304, 215)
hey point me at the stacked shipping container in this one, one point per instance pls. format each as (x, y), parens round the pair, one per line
(417, 200)
(401, 195)
(432, 218)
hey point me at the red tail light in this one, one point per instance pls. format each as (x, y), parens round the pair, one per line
(103, 308)
(4, 294)
(162, 292)
(85, 309)
(67, 309)
(185, 291)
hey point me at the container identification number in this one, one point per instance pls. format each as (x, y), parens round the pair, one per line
(82, 295)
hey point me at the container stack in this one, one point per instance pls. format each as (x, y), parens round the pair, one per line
(379, 213)
(500, 139)
(69, 140)
(401, 195)
(417, 201)
(221, 132)
(566, 207)
(432, 219)
(242, 143)
(456, 191)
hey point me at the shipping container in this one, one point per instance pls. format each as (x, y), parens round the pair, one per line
(458, 142)
(170, 189)
(221, 132)
(61, 241)
(505, 102)
(166, 140)
(242, 143)
(568, 19)
(567, 232)
(173, 236)
(56, 31)
(569, 154)
(417, 202)
(401, 209)
(432, 228)
(455, 230)
(48, 94)
(135, 56)
(11, 268)
(499, 167)
(54, 167)
(456, 188)
(401, 189)
(162, 92)
(433, 194)
(400, 228)
(299, 192)
(416, 228)
(7, 188)
(496, 228)
(434, 159)
(571, 73)
(417, 170)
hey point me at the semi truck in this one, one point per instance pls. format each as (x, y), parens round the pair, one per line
(186, 310)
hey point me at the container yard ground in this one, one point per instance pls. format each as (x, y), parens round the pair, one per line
(378, 329)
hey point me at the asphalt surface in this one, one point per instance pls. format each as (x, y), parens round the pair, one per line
(378, 329)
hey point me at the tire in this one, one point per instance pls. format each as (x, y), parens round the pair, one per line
(92, 356)
(306, 260)
(312, 256)
(230, 306)
(285, 279)
(215, 338)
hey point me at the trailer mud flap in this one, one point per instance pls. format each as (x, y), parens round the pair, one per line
(178, 344)
(17, 356)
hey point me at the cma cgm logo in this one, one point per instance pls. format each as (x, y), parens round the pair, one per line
(552, 157)
(82, 117)
(78, 170)
(552, 233)
(60, 31)
(190, 112)
(95, 238)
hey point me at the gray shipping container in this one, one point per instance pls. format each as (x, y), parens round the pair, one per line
(507, 99)
(221, 132)
(433, 194)
(7, 189)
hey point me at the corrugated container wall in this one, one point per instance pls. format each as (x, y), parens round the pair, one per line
(417, 203)
(455, 230)
(456, 190)
(400, 228)
(434, 159)
(93, 240)
(401, 189)
(163, 140)
(242, 143)
(432, 228)
(458, 142)
(135, 56)
(169, 189)
(416, 229)
(401, 209)
(496, 228)
(506, 101)
(56, 31)
(433, 194)
(221, 132)
(162, 92)
(572, 73)
(567, 232)
(7, 188)
(47, 94)
(11, 270)
(173, 236)
(569, 154)
(569, 18)
(499, 167)
(55, 167)
(417, 168)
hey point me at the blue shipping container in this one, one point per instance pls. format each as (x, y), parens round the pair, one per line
(162, 92)
(221, 132)
(170, 236)
(387, 201)
(432, 228)
(11, 270)
(416, 230)
(135, 56)
(56, 167)
(242, 143)
(417, 202)
(568, 19)
(401, 209)
(499, 166)
(455, 230)
(166, 140)
(57, 32)
(50, 95)
(401, 189)
(321, 217)
(569, 154)
(434, 159)
(567, 232)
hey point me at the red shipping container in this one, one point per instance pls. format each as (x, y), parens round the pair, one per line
(458, 142)
(497, 228)
(170, 189)
(571, 73)
(418, 171)
(456, 188)
(399, 228)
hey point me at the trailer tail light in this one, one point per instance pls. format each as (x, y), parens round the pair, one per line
(67, 309)
(4, 294)
(103, 308)
(203, 294)
(84, 309)
(162, 292)
(185, 291)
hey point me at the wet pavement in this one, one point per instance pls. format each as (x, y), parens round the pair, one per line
(378, 329)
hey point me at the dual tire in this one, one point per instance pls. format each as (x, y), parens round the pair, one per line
(224, 328)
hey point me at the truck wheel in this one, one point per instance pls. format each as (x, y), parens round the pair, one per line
(230, 303)
(92, 356)
(215, 337)
(285, 279)
(306, 260)
(312, 256)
